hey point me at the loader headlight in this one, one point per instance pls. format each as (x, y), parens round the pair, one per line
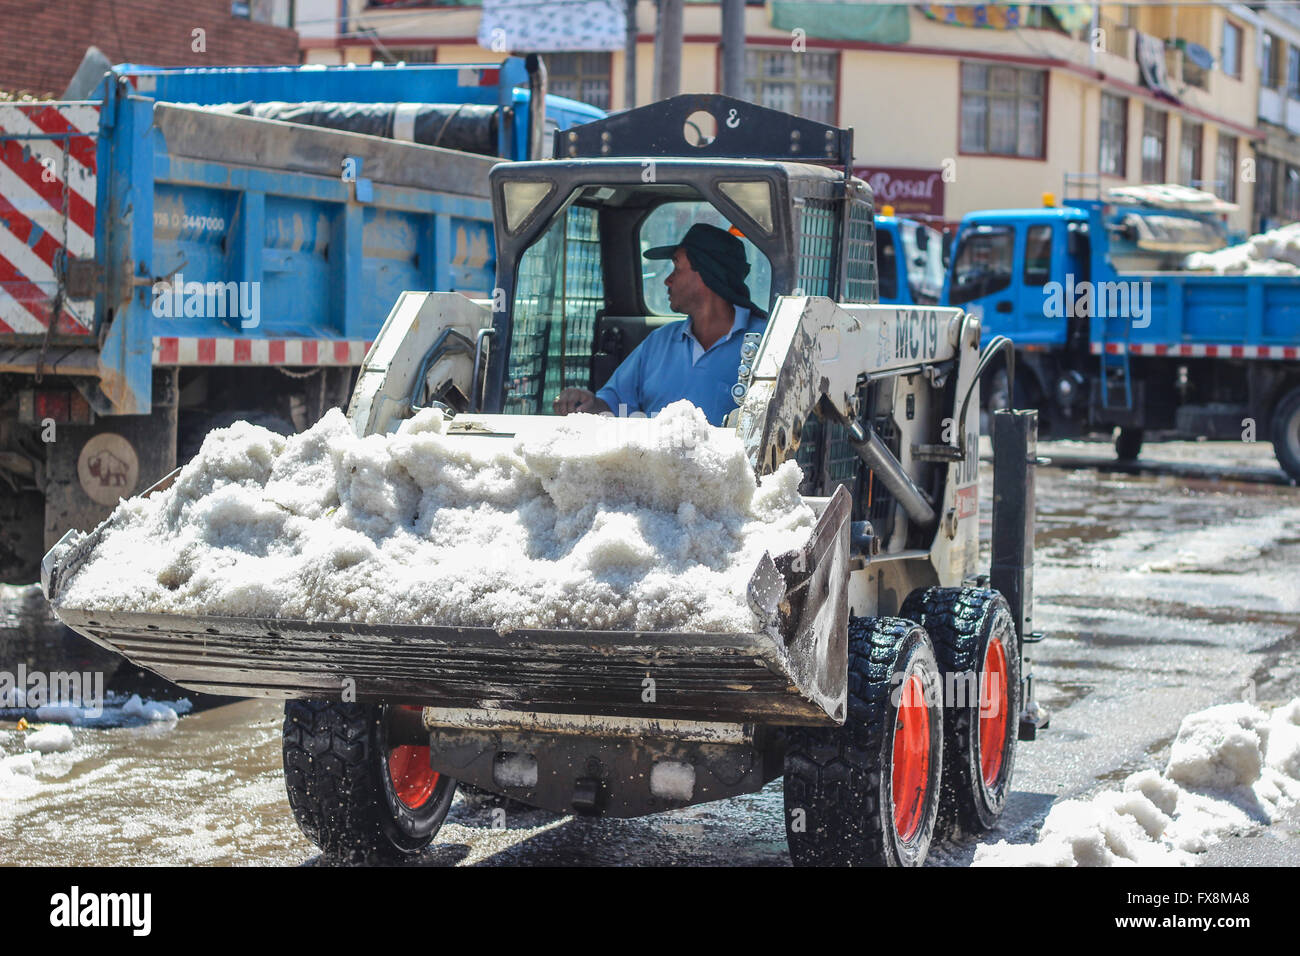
(521, 198)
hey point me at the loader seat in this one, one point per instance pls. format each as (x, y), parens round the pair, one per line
(616, 337)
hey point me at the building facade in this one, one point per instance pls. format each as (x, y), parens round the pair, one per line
(955, 108)
(1277, 189)
(42, 43)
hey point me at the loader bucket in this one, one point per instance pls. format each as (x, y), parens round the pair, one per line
(789, 671)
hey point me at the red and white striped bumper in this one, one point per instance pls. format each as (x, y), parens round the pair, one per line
(168, 351)
(1201, 350)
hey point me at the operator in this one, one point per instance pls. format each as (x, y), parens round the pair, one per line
(697, 357)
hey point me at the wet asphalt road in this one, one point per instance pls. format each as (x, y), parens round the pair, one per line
(1161, 593)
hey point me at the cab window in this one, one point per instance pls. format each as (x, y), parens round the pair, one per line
(983, 264)
(886, 266)
(558, 294)
(923, 247)
(1038, 255)
(666, 225)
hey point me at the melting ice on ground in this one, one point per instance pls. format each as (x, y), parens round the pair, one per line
(1231, 768)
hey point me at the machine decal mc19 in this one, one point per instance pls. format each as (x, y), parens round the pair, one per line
(916, 334)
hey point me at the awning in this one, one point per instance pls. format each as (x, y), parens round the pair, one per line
(1072, 16)
(830, 20)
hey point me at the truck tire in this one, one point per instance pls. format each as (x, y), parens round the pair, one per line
(1285, 433)
(1128, 444)
(845, 786)
(978, 651)
(355, 797)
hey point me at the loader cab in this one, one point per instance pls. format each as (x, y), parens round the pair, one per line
(575, 296)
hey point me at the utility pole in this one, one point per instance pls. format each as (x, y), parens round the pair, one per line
(733, 48)
(668, 50)
(629, 58)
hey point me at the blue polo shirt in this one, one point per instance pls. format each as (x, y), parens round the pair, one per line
(671, 364)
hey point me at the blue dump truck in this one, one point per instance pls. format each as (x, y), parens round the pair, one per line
(909, 261)
(188, 247)
(1100, 347)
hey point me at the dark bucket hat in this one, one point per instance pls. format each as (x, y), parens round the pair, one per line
(719, 258)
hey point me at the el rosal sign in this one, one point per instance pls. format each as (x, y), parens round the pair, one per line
(910, 191)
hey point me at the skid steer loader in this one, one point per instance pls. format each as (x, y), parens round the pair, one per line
(884, 678)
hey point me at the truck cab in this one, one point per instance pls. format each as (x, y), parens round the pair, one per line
(1004, 263)
(909, 260)
(1111, 330)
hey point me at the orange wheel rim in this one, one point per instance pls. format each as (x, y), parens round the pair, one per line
(911, 776)
(408, 767)
(413, 779)
(993, 712)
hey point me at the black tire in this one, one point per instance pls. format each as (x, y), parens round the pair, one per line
(339, 786)
(839, 781)
(1285, 433)
(1128, 443)
(962, 622)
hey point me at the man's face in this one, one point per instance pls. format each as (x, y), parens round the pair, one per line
(685, 287)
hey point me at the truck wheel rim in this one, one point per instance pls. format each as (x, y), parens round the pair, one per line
(911, 776)
(413, 779)
(993, 712)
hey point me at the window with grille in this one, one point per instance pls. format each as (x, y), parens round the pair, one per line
(1189, 153)
(1155, 132)
(815, 232)
(557, 295)
(861, 278)
(579, 76)
(1002, 110)
(1225, 167)
(1114, 136)
(799, 83)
